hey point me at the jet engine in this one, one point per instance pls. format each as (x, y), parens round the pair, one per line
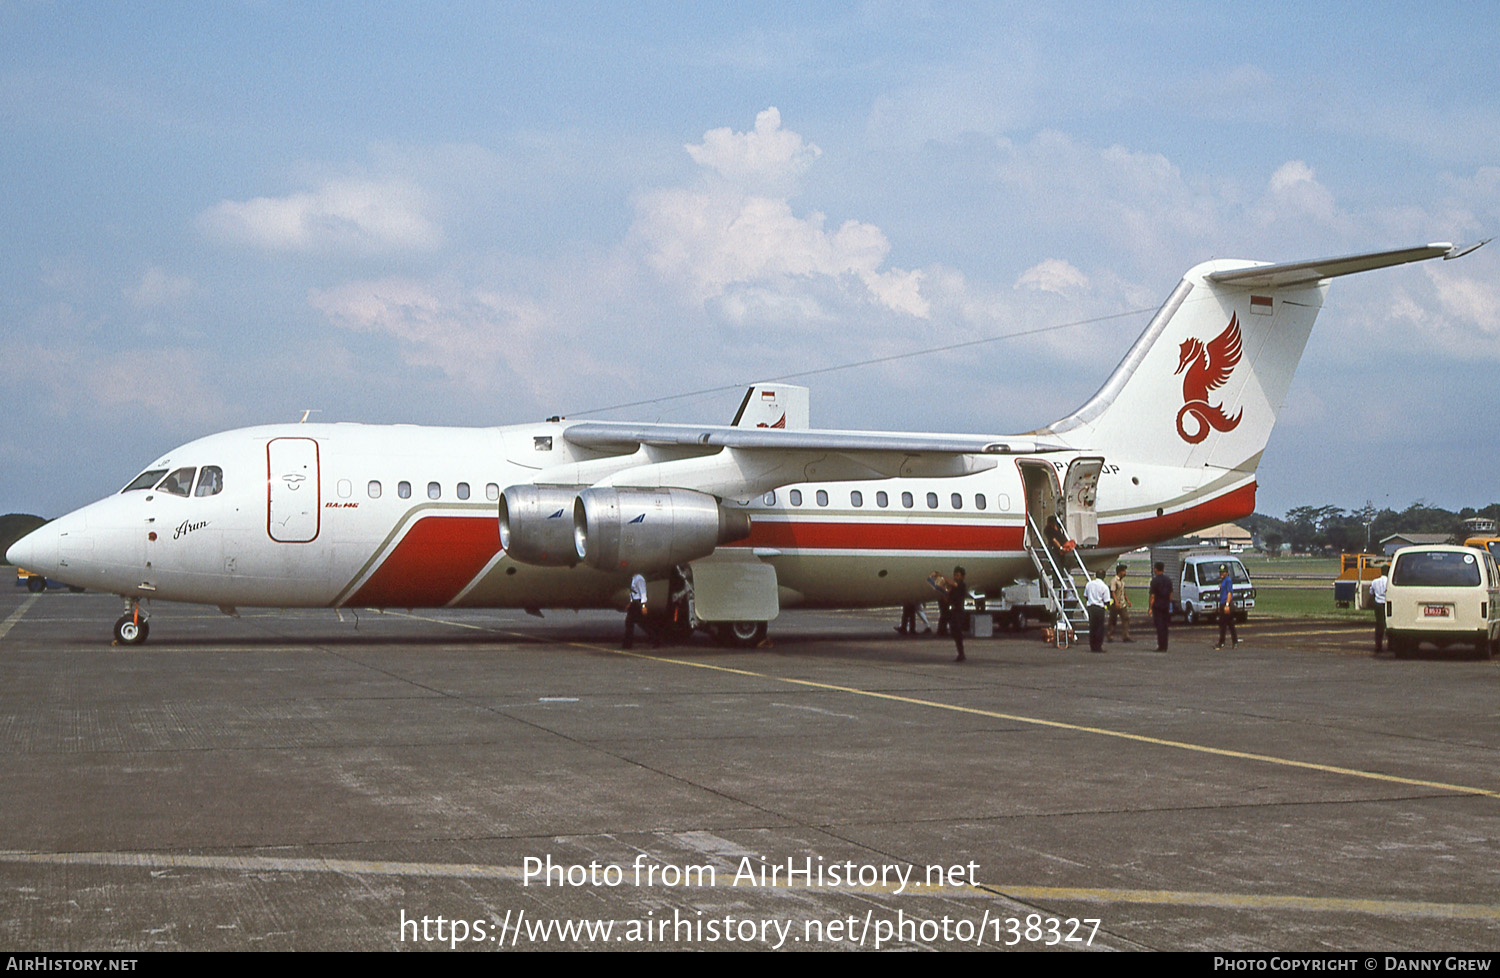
(651, 529)
(536, 525)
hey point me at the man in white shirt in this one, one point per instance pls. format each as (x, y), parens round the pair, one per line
(1377, 595)
(1096, 600)
(636, 614)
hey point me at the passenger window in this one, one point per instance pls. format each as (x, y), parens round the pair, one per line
(403, 489)
(210, 481)
(770, 499)
(932, 500)
(856, 498)
(882, 500)
(822, 497)
(979, 501)
(1002, 500)
(145, 480)
(463, 490)
(434, 491)
(906, 500)
(374, 488)
(178, 483)
(796, 495)
(492, 492)
(958, 501)
(346, 488)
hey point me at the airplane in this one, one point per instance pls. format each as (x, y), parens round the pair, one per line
(762, 514)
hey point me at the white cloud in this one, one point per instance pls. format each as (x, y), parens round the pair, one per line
(1294, 195)
(766, 156)
(716, 237)
(159, 287)
(362, 216)
(1053, 275)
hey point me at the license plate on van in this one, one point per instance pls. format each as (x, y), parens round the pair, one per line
(1437, 611)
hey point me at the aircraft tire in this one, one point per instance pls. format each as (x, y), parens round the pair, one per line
(36, 585)
(741, 634)
(128, 631)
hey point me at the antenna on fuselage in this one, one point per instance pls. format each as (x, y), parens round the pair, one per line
(309, 411)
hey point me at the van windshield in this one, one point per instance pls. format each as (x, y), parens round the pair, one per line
(1436, 568)
(1209, 573)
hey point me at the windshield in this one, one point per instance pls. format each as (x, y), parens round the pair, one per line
(1209, 573)
(178, 483)
(145, 480)
(1436, 568)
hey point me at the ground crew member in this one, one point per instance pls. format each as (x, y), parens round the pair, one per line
(1120, 605)
(1377, 595)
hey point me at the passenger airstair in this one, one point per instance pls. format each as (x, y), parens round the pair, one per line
(1055, 570)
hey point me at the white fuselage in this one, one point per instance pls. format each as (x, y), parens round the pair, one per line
(406, 516)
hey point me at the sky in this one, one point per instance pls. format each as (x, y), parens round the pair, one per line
(225, 214)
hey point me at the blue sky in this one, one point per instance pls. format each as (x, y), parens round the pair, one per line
(221, 215)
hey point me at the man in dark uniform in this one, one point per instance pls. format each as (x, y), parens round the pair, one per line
(958, 616)
(1161, 604)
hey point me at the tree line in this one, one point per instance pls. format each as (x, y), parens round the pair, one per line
(1332, 529)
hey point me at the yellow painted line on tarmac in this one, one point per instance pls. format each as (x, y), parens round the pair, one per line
(517, 874)
(1017, 718)
(1258, 901)
(15, 616)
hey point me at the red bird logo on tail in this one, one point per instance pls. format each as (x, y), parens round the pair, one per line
(1207, 369)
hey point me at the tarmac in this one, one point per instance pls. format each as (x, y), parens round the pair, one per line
(288, 780)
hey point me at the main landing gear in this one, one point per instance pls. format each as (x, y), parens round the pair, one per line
(132, 627)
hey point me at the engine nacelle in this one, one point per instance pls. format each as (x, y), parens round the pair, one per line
(651, 529)
(536, 525)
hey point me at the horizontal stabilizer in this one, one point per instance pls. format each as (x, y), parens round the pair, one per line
(1306, 272)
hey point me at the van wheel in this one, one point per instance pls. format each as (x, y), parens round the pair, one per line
(741, 634)
(1400, 646)
(1190, 615)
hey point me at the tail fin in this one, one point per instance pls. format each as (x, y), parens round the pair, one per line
(1203, 384)
(768, 405)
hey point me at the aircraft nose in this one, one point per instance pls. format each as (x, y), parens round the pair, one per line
(36, 551)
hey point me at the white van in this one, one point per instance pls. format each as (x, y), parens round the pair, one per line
(1194, 573)
(1444, 595)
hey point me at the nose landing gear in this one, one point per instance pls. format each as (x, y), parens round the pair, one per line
(132, 627)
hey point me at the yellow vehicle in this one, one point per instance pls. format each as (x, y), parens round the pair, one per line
(1492, 544)
(1356, 571)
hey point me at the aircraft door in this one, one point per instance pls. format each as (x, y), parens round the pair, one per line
(1043, 500)
(294, 490)
(1080, 494)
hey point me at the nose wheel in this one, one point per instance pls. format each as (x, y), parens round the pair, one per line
(132, 627)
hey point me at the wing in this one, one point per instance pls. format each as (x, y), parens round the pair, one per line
(739, 463)
(1223, 353)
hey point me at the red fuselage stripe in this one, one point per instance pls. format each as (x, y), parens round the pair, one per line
(440, 555)
(432, 563)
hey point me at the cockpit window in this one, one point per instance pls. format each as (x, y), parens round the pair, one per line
(179, 483)
(145, 480)
(210, 481)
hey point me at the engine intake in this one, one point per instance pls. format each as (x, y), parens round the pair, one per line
(651, 529)
(536, 525)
